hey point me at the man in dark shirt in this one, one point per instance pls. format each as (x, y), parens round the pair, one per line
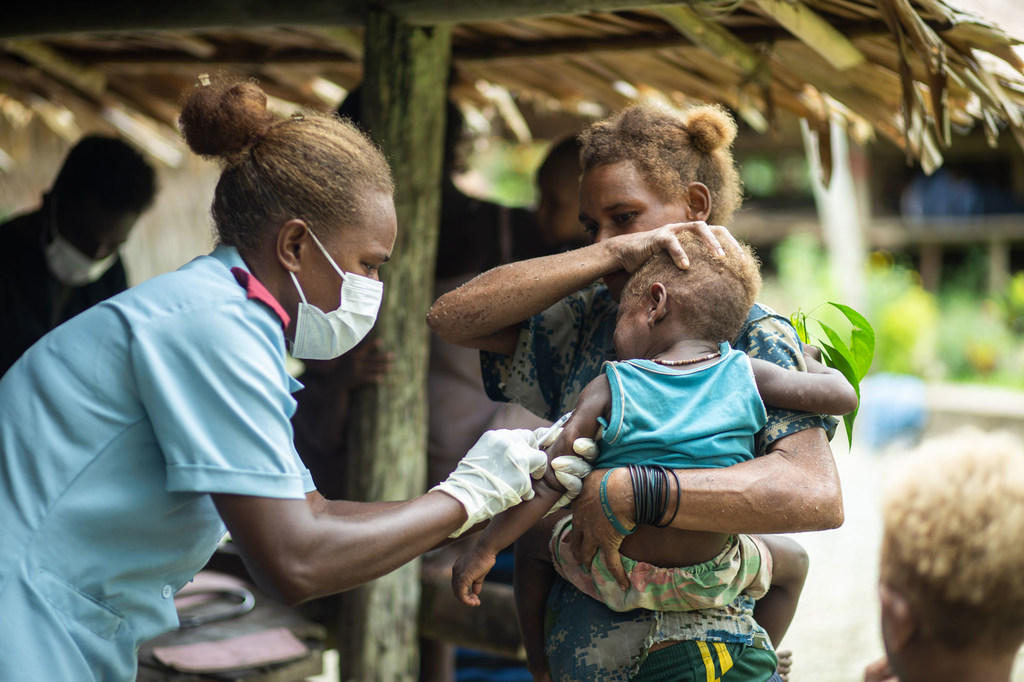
(63, 257)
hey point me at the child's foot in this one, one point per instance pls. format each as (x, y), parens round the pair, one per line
(785, 663)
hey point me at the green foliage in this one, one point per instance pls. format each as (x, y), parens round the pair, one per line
(803, 267)
(1011, 304)
(504, 171)
(960, 334)
(853, 359)
(908, 323)
(776, 175)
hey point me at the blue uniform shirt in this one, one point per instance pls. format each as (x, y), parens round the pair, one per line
(114, 430)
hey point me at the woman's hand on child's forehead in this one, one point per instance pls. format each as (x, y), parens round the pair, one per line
(638, 247)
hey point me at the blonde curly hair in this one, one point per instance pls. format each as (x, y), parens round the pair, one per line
(954, 519)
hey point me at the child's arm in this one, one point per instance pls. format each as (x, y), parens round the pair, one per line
(505, 528)
(820, 389)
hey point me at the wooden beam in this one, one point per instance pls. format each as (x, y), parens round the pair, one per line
(493, 628)
(58, 66)
(714, 37)
(494, 51)
(820, 35)
(73, 16)
(403, 101)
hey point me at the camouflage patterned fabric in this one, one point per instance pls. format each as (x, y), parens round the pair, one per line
(744, 565)
(585, 640)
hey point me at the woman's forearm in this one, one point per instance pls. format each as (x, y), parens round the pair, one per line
(480, 313)
(793, 488)
(486, 312)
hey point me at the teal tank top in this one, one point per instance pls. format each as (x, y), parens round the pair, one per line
(681, 418)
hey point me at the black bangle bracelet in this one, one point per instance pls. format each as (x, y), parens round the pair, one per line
(650, 493)
(679, 495)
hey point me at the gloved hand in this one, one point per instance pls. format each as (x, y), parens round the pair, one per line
(496, 473)
(569, 470)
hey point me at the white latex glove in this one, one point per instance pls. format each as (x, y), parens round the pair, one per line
(496, 473)
(570, 470)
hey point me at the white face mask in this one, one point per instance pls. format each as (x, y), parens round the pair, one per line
(324, 336)
(67, 263)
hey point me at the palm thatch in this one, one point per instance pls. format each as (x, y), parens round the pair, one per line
(914, 71)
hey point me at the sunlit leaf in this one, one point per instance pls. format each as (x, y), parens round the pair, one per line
(841, 363)
(799, 320)
(862, 339)
(840, 351)
(852, 360)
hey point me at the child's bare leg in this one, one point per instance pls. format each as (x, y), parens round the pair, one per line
(774, 612)
(534, 574)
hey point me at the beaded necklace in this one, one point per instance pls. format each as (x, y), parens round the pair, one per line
(691, 361)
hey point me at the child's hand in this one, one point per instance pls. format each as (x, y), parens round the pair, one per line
(468, 575)
(812, 352)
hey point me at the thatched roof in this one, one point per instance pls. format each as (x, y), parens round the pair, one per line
(911, 70)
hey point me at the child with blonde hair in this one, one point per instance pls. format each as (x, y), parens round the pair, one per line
(951, 589)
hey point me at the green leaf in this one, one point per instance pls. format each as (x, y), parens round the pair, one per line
(840, 359)
(848, 420)
(853, 361)
(840, 351)
(840, 362)
(862, 339)
(799, 320)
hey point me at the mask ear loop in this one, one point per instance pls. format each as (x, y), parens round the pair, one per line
(297, 287)
(327, 255)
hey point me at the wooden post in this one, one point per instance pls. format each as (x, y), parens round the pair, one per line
(403, 93)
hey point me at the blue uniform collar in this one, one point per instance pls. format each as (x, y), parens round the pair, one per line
(229, 256)
(255, 290)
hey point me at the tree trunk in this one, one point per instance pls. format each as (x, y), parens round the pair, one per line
(839, 213)
(403, 93)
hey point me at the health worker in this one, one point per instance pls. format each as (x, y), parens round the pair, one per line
(133, 435)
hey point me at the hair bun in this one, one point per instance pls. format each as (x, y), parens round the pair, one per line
(710, 128)
(223, 119)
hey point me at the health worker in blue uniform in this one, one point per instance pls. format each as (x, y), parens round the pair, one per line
(134, 434)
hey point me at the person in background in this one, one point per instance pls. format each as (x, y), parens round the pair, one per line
(558, 210)
(62, 258)
(321, 412)
(950, 582)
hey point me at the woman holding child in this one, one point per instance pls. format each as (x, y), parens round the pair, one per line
(546, 328)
